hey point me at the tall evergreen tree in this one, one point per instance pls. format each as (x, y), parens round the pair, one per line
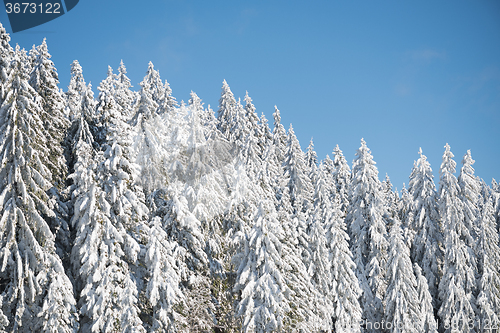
(228, 109)
(76, 89)
(402, 310)
(427, 319)
(424, 215)
(44, 80)
(458, 284)
(279, 135)
(341, 177)
(263, 290)
(163, 290)
(125, 97)
(296, 175)
(346, 289)
(470, 192)
(488, 253)
(368, 232)
(38, 291)
(6, 54)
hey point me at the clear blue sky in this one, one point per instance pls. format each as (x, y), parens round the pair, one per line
(400, 74)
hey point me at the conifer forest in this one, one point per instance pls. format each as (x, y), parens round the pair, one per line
(132, 212)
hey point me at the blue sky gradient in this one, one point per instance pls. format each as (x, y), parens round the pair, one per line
(400, 74)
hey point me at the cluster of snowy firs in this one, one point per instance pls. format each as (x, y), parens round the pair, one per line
(131, 212)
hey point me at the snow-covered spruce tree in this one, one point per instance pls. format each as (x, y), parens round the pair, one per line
(488, 254)
(167, 102)
(391, 199)
(296, 175)
(184, 229)
(255, 127)
(458, 283)
(82, 128)
(150, 141)
(319, 265)
(204, 188)
(311, 156)
(161, 94)
(228, 109)
(263, 291)
(341, 177)
(121, 217)
(149, 93)
(303, 313)
(120, 177)
(153, 85)
(266, 135)
(426, 245)
(108, 298)
(427, 319)
(44, 80)
(402, 310)
(346, 291)
(76, 89)
(470, 193)
(163, 279)
(36, 294)
(239, 127)
(279, 135)
(368, 233)
(6, 54)
(124, 96)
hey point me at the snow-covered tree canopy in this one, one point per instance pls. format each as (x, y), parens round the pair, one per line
(125, 211)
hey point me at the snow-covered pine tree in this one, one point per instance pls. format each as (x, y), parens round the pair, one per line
(458, 283)
(296, 175)
(391, 199)
(368, 233)
(149, 94)
(228, 109)
(279, 135)
(263, 290)
(341, 177)
(204, 188)
(488, 255)
(319, 265)
(427, 319)
(36, 293)
(163, 280)
(153, 85)
(167, 102)
(470, 193)
(184, 229)
(239, 127)
(119, 174)
(257, 128)
(423, 221)
(108, 299)
(402, 310)
(44, 80)
(311, 156)
(346, 291)
(76, 89)
(125, 97)
(266, 135)
(6, 54)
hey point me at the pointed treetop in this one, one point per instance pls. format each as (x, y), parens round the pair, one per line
(276, 115)
(312, 157)
(467, 160)
(448, 164)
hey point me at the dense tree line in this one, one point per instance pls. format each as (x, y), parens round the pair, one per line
(131, 212)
